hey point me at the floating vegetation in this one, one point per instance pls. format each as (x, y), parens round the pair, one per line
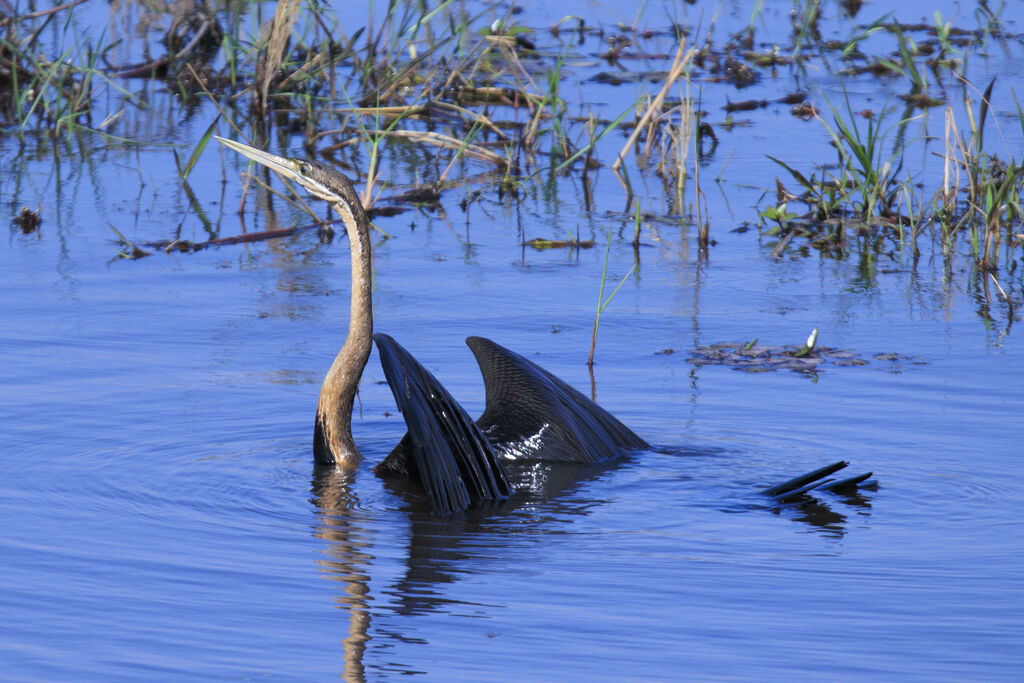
(541, 243)
(129, 250)
(763, 358)
(809, 358)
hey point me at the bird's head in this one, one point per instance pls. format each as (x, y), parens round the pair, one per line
(320, 180)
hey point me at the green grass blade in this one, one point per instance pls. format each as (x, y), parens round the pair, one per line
(200, 146)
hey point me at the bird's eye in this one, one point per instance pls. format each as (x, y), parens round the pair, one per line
(305, 168)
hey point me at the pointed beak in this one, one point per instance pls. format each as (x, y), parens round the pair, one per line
(286, 167)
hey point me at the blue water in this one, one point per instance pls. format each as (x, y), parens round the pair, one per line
(162, 518)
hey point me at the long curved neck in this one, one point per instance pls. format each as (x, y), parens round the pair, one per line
(332, 434)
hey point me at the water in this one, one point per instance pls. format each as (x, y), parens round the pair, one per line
(162, 517)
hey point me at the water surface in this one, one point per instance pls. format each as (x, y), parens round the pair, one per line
(162, 517)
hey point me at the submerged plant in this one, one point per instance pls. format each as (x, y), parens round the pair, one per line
(907, 67)
(602, 303)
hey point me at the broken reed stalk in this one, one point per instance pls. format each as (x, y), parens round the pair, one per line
(471, 135)
(473, 116)
(428, 137)
(402, 111)
(40, 13)
(271, 58)
(950, 189)
(679, 64)
(783, 241)
(703, 222)
(408, 111)
(675, 141)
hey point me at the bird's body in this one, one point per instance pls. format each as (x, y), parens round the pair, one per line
(530, 414)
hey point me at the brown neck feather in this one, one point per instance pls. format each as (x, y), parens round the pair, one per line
(332, 436)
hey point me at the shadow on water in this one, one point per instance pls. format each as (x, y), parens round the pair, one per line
(819, 513)
(439, 551)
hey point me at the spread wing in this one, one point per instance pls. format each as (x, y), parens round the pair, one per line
(453, 460)
(532, 414)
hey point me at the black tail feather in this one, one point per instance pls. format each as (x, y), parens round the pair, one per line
(804, 479)
(797, 494)
(794, 489)
(456, 465)
(847, 485)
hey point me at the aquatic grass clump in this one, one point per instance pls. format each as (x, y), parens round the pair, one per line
(861, 192)
(471, 96)
(453, 81)
(50, 93)
(57, 93)
(863, 167)
(991, 188)
(980, 195)
(476, 87)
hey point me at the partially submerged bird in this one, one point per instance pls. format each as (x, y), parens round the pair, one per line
(530, 414)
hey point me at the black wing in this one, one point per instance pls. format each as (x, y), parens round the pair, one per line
(534, 415)
(455, 463)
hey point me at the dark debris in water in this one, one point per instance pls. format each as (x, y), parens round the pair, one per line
(763, 358)
(901, 358)
(28, 220)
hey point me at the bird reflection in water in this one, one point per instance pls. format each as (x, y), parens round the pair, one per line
(818, 512)
(348, 559)
(441, 551)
